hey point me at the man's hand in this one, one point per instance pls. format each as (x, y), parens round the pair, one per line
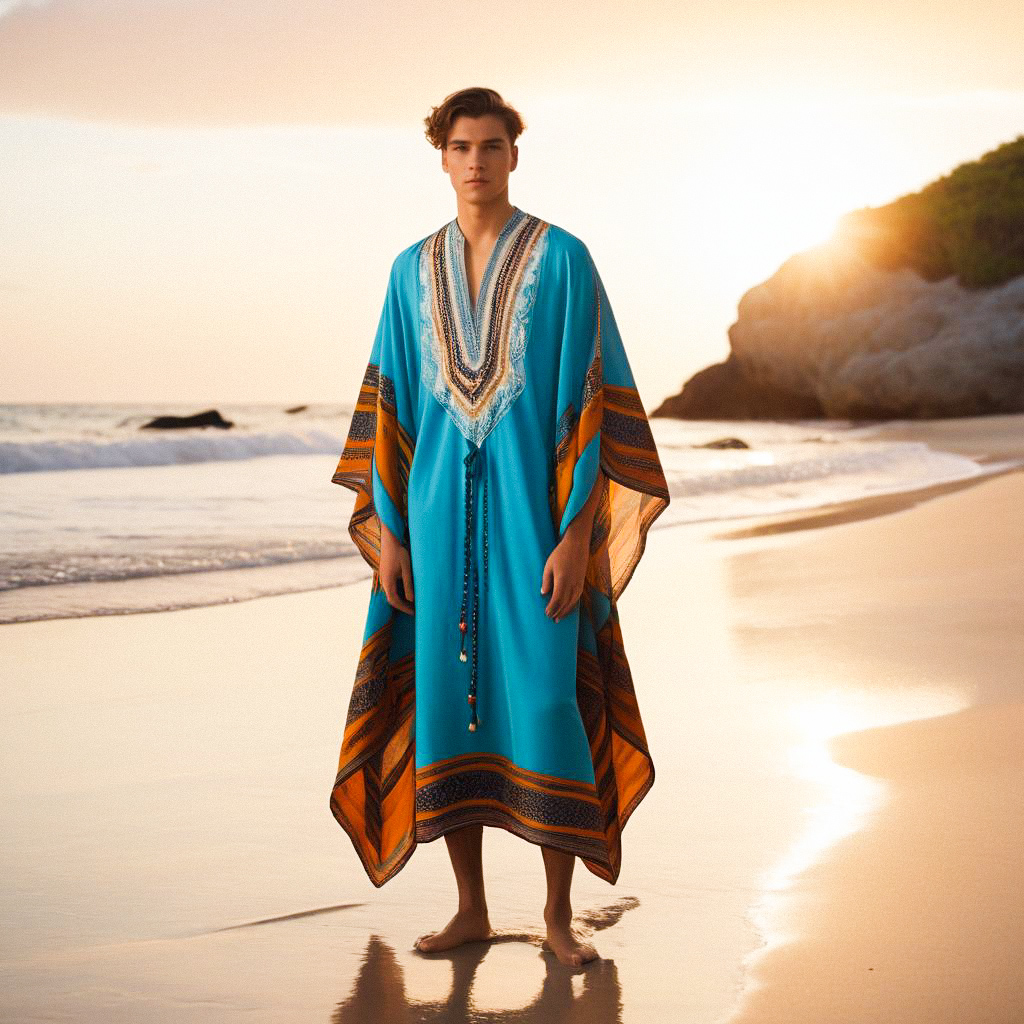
(395, 569)
(566, 566)
(566, 569)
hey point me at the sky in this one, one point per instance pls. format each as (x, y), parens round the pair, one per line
(202, 200)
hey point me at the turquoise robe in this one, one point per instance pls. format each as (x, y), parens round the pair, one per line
(476, 439)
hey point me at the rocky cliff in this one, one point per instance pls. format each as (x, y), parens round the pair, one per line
(913, 309)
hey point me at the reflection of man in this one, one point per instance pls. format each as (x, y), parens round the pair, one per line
(381, 982)
(505, 478)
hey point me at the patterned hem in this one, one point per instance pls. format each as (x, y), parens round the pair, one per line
(474, 813)
(376, 870)
(490, 789)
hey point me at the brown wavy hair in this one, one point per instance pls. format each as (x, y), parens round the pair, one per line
(474, 102)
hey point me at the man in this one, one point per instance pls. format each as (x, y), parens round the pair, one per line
(505, 478)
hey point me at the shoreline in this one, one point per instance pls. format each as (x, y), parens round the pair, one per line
(858, 509)
(165, 593)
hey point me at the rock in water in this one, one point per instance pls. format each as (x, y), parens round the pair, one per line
(210, 418)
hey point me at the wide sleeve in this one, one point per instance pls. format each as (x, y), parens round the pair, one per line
(381, 439)
(602, 423)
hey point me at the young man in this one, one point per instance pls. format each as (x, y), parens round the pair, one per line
(505, 477)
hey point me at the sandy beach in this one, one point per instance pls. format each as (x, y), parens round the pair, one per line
(915, 917)
(833, 705)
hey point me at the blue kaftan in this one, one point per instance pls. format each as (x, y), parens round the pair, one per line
(477, 439)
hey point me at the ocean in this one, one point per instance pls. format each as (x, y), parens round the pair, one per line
(99, 517)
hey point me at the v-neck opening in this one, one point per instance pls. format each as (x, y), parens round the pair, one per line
(476, 372)
(474, 306)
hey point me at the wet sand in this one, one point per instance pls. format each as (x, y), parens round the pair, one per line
(170, 855)
(916, 917)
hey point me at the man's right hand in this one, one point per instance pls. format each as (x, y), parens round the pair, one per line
(395, 571)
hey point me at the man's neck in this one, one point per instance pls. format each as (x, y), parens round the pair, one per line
(484, 221)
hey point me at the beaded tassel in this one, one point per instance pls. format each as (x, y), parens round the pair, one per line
(473, 720)
(485, 529)
(470, 462)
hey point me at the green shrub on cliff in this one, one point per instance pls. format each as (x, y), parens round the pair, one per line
(969, 222)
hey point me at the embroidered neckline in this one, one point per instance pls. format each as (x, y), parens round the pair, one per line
(475, 367)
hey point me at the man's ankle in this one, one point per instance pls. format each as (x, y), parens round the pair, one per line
(560, 915)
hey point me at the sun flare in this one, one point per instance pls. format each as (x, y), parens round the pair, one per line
(781, 172)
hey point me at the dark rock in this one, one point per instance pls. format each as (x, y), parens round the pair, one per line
(723, 442)
(210, 418)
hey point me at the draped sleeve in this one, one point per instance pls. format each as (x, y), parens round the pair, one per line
(381, 439)
(373, 794)
(602, 423)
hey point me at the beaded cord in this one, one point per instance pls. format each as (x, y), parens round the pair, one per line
(470, 462)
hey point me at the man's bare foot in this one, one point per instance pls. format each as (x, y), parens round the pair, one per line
(465, 926)
(564, 943)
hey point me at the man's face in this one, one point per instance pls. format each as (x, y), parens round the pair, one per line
(479, 158)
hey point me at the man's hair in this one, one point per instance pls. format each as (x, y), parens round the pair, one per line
(473, 102)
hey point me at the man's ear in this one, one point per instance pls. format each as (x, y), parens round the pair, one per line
(515, 157)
